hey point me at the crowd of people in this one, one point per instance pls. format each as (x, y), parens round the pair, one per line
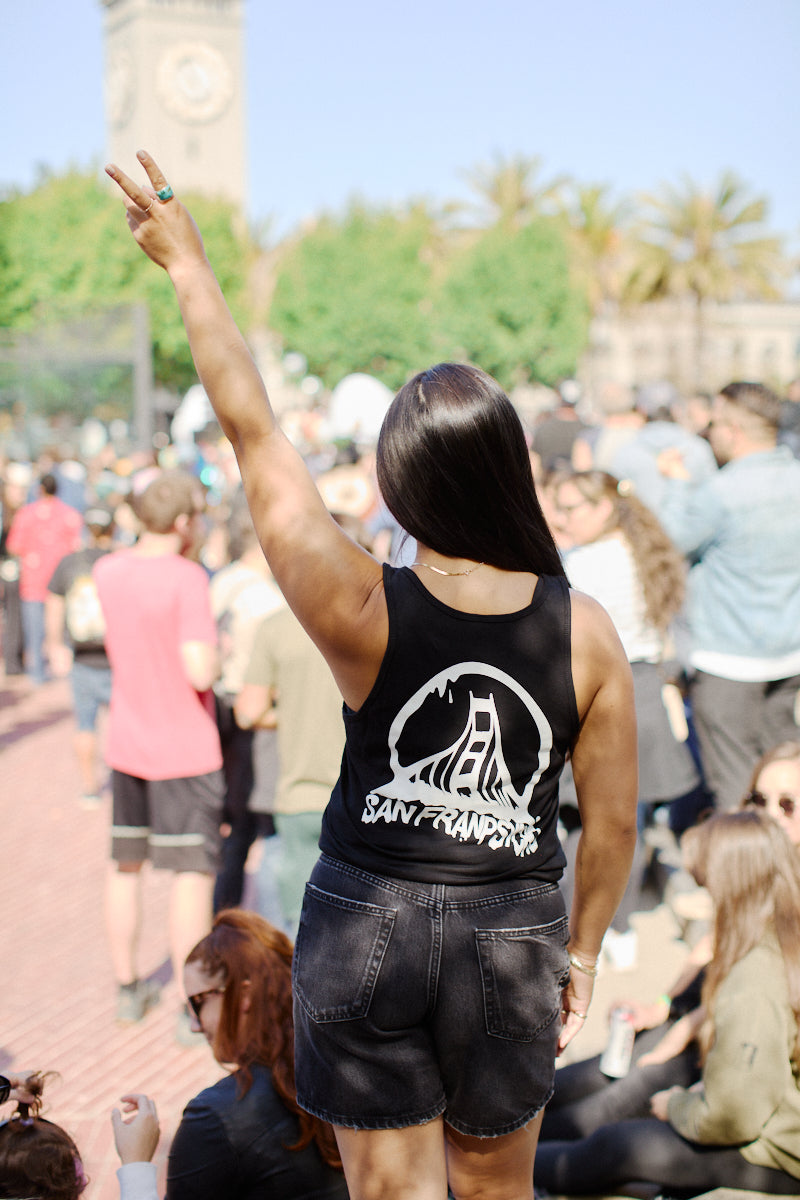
(368, 762)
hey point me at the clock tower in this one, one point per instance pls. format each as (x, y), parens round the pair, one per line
(174, 84)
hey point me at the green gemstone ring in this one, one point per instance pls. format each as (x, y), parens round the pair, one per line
(165, 193)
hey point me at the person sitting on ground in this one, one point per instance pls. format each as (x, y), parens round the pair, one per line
(246, 1136)
(585, 1098)
(37, 1158)
(739, 1125)
(775, 788)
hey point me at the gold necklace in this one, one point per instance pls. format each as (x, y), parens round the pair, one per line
(439, 570)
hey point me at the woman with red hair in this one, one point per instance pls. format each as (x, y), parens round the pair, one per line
(246, 1136)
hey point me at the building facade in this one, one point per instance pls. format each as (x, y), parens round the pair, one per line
(663, 341)
(174, 84)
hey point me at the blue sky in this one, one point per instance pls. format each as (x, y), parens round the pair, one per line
(390, 101)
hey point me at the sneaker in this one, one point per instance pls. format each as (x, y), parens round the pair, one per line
(134, 1000)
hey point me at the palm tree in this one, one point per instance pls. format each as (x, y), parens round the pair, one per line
(707, 244)
(508, 191)
(597, 234)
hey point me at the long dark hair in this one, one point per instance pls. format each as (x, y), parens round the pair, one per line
(253, 955)
(453, 469)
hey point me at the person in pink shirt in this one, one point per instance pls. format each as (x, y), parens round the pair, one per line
(41, 534)
(163, 745)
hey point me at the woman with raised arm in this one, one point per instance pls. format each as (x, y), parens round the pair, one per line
(435, 975)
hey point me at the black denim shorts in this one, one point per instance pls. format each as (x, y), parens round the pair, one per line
(416, 1000)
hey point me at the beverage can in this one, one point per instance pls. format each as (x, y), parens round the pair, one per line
(615, 1060)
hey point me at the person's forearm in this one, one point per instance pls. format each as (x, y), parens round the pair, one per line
(253, 705)
(201, 664)
(223, 361)
(601, 875)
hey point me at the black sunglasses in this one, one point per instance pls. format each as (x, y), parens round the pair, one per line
(787, 804)
(197, 1001)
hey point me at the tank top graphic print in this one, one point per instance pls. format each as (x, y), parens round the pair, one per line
(451, 767)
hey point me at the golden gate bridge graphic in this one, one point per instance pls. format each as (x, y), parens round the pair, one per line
(471, 774)
(473, 767)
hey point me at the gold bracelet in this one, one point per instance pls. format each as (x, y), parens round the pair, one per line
(585, 968)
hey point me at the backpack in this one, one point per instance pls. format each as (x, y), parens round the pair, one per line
(83, 615)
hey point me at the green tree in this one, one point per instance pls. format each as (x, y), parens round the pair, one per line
(706, 244)
(509, 305)
(351, 295)
(65, 252)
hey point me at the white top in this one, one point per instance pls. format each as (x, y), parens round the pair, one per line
(744, 668)
(137, 1181)
(606, 571)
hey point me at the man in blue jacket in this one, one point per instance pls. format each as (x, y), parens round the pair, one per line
(741, 531)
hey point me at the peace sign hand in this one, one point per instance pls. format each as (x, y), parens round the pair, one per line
(161, 225)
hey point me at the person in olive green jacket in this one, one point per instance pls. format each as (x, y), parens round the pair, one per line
(739, 1126)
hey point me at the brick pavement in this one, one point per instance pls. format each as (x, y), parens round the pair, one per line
(57, 997)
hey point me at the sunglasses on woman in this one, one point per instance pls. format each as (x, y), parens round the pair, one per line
(197, 1001)
(787, 804)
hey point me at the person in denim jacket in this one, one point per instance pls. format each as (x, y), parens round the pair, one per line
(741, 531)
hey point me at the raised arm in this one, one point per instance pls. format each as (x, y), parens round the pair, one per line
(332, 585)
(605, 768)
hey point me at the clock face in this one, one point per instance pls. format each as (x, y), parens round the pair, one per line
(194, 82)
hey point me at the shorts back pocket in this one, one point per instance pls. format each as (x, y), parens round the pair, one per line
(338, 953)
(522, 971)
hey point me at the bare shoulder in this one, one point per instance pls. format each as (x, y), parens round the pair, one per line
(593, 630)
(598, 659)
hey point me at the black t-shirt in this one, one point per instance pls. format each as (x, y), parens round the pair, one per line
(451, 766)
(76, 568)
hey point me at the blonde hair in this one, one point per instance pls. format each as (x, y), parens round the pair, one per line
(752, 873)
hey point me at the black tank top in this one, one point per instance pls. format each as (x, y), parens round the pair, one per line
(451, 766)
